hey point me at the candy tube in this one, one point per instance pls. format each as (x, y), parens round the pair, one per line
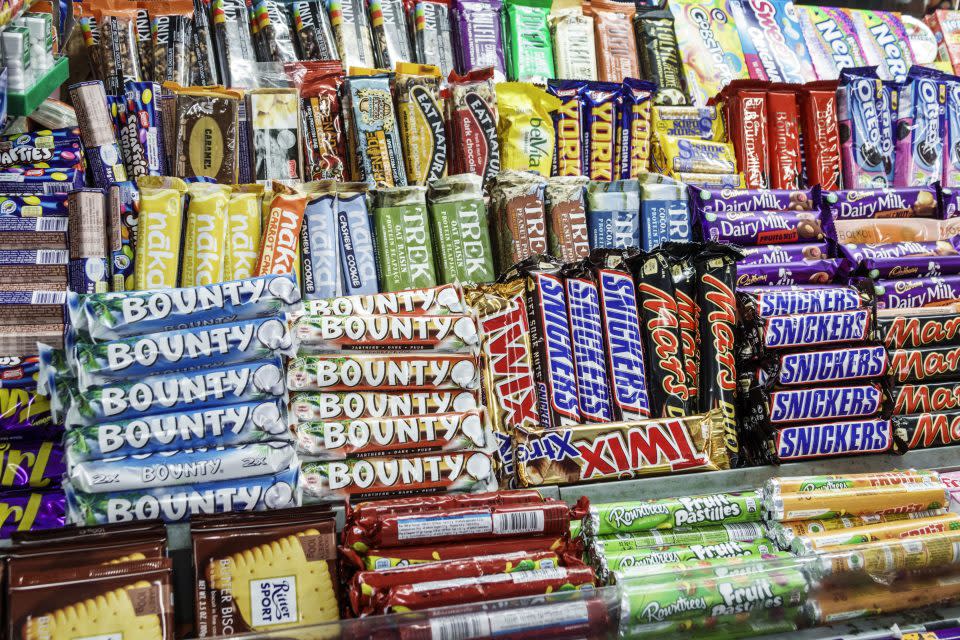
(810, 505)
(669, 513)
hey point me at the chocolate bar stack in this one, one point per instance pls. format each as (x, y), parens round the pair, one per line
(173, 401)
(783, 234)
(386, 397)
(811, 376)
(410, 554)
(924, 350)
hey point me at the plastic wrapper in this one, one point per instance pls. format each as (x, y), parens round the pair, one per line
(445, 299)
(352, 32)
(207, 114)
(351, 405)
(525, 127)
(231, 32)
(659, 56)
(673, 513)
(172, 27)
(529, 47)
(371, 372)
(459, 229)
(420, 116)
(377, 137)
(391, 42)
(816, 504)
(473, 117)
(574, 44)
(32, 511)
(476, 35)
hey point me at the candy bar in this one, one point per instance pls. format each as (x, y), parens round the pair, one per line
(519, 217)
(620, 450)
(404, 242)
(574, 44)
(503, 585)
(613, 214)
(175, 468)
(178, 391)
(355, 235)
(764, 227)
(905, 202)
(366, 372)
(802, 273)
(472, 115)
(525, 127)
(702, 123)
(439, 334)
(159, 233)
(807, 330)
(624, 345)
(587, 338)
(442, 300)
(926, 398)
(928, 364)
(181, 350)
(634, 131)
(391, 45)
(780, 301)
(111, 316)
(800, 442)
(664, 214)
(31, 464)
(745, 106)
(672, 153)
(787, 406)
(659, 57)
(324, 146)
(459, 228)
(420, 116)
(204, 235)
(353, 35)
(174, 504)
(928, 430)
(721, 180)
(921, 124)
(890, 556)
(343, 405)
(32, 511)
(819, 367)
(34, 206)
(475, 30)
(567, 218)
(910, 331)
(774, 254)
(921, 292)
(529, 47)
(432, 35)
(567, 123)
(355, 478)
(243, 423)
(210, 115)
(320, 249)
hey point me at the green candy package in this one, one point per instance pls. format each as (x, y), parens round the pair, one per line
(461, 236)
(528, 45)
(404, 243)
(691, 511)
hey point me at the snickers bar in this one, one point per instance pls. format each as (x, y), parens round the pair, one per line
(586, 333)
(553, 356)
(820, 367)
(765, 302)
(800, 442)
(790, 406)
(806, 330)
(621, 323)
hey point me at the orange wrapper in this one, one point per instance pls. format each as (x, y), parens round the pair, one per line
(616, 43)
(281, 233)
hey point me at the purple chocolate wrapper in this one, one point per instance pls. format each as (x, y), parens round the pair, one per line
(707, 200)
(917, 292)
(30, 464)
(911, 266)
(900, 202)
(951, 140)
(780, 253)
(949, 202)
(478, 42)
(32, 511)
(22, 409)
(790, 273)
(763, 227)
(856, 253)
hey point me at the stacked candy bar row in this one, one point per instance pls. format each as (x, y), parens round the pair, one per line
(173, 401)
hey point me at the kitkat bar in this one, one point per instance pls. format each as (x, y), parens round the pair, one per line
(443, 525)
(745, 106)
(783, 137)
(821, 136)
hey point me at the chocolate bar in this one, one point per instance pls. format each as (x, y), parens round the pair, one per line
(766, 302)
(818, 367)
(806, 330)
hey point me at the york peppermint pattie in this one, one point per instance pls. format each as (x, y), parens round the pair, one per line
(174, 504)
(260, 380)
(174, 468)
(241, 423)
(109, 316)
(181, 350)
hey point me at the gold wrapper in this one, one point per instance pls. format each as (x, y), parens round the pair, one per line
(620, 450)
(420, 117)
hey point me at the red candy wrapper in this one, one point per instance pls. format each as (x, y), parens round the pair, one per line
(472, 123)
(473, 523)
(783, 136)
(380, 559)
(821, 137)
(324, 145)
(745, 105)
(371, 512)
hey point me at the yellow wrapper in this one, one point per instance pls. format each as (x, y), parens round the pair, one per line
(728, 180)
(420, 118)
(243, 232)
(205, 238)
(525, 128)
(689, 155)
(689, 122)
(159, 230)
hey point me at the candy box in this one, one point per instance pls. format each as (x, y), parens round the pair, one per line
(945, 25)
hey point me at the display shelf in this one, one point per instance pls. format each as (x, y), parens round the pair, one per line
(752, 477)
(23, 104)
(878, 628)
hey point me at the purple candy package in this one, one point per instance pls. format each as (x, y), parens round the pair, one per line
(917, 292)
(707, 200)
(773, 42)
(22, 408)
(803, 272)
(764, 227)
(148, 156)
(831, 39)
(781, 253)
(898, 202)
(911, 266)
(921, 128)
(865, 166)
(477, 38)
(32, 511)
(30, 464)
(951, 138)
(888, 113)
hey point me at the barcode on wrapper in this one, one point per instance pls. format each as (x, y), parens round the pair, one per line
(518, 522)
(744, 531)
(460, 627)
(48, 297)
(58, 225)
(52, 256)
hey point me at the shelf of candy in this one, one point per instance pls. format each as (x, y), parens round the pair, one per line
(386, 397)
(173, 401)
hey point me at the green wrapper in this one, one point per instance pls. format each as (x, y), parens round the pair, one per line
(783, 620)
(404, 243)
(576, 527)
(693, 511)
(458, 219)
(714, 602)
(706, 569)
(662, 555)
(708, 535)
(529, 47)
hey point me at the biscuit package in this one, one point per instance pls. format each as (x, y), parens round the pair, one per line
(269, 573)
